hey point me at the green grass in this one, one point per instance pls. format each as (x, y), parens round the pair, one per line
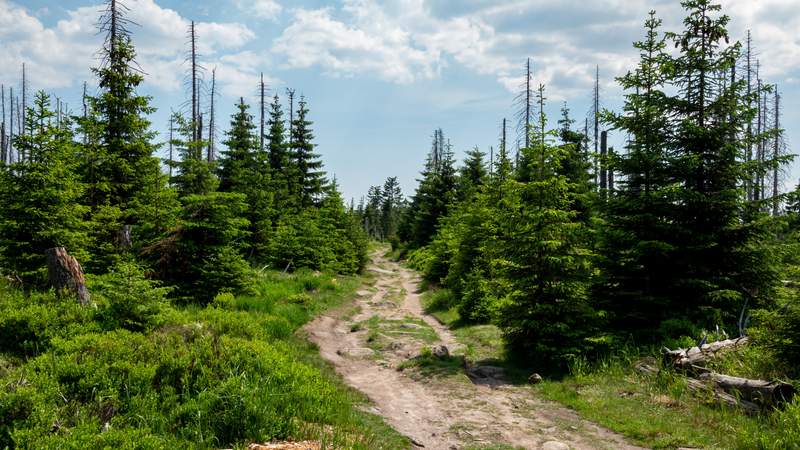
(382, 332)
(655, 412)
(658, 412)
(482, 341)
(197, 377)
(428, 366)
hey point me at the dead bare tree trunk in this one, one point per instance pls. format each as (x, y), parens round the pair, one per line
(125, 237)
(24, 98)
(700, 389)
(290, 94)
(527, 105)
(721, 398)
(776, 154)
(211, 123)
(596, 114)
(195, 106)
(688, 359)
(66, 274)
(10, 122)
(262, 92)
(603, 169)
(171, 142)
(762, 392)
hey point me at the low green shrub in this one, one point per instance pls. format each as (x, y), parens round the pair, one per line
(126, 298)
(136, 372)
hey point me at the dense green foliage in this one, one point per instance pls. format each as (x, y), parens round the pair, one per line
(40, 197)
(136, 373)
(98, 190)
(380, 214)
(134, 370)
(676, 246)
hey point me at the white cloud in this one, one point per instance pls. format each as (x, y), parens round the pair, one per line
(315, 38)
(61, 56)
(263, 9)
(403, 41)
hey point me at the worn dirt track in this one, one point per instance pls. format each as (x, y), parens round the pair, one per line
(439, 412)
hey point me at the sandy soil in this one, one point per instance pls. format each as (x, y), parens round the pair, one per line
(439, 412)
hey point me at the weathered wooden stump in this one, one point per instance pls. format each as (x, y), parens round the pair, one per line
(66, 274)
(125, 237)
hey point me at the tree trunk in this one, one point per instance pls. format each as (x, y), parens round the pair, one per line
(721, 398)
(690, 359)
(758, 391)
(125, 237)
(700, 389)
(66, 274)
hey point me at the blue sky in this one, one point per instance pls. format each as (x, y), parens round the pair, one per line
(381, 75)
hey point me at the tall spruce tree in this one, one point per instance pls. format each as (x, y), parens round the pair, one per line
(126, 186)
(244, 169)
(40, 197)
(278, 153)
(544, 262)
(391, 207)
(636, 240)
(686, 246)
(308, 178)
(472, 174)
(433, 196)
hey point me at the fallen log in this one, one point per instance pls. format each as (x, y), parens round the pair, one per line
(690, 359)
(721, 398)
(66, 274)
(700, 389)
(765, 393)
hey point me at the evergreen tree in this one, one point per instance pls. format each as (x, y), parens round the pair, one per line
(244, 169)
(472, 174)
(543, 261)
(372, 213)
(202, 255)
(239, 160)
(343, 233)
(195, 175)
(40, 197)
(576, 166)
(124, 178)
(309, 179)
(683, 245)
(391, 207)
(278, 148)
(434, 194)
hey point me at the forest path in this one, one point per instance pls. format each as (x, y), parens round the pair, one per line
(456, 406)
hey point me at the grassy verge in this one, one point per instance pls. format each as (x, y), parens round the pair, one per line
(652, 411)
(136, 372)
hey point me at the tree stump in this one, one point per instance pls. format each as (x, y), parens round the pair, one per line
(124, 237)
(66, 274)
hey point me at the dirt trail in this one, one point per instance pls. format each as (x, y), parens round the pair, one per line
(438, 412)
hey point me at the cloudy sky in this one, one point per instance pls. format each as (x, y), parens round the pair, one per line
(381, 75)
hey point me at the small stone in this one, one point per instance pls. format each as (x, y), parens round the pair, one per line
(394, 345)
(554, 445)
(535, 378)
(410, 326)
(440, 351)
